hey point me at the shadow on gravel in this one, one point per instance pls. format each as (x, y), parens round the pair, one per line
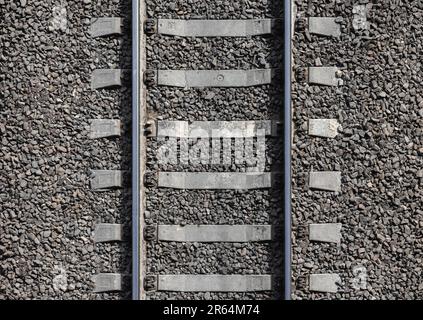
(125, 115)
(126, 145)
(276, 216)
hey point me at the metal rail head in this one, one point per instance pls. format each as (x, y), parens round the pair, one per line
(287, 147)
(135, 152)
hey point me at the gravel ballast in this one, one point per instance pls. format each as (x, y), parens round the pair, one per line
(378, 152)
(47, 210)
(167, 206)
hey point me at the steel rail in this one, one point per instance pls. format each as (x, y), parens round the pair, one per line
(136, 194)
(287, 149)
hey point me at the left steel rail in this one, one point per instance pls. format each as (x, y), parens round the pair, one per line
(138, 116)
(287, 147)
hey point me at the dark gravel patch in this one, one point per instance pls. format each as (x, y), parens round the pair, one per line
(47, 211)
(379, 152)
(167, 206)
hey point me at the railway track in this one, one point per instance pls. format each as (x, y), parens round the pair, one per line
(216, 122)
(201, 240)
(169, 177)
(203, 168)
(207, 177)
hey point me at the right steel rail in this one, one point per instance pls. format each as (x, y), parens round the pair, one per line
(136, 155)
